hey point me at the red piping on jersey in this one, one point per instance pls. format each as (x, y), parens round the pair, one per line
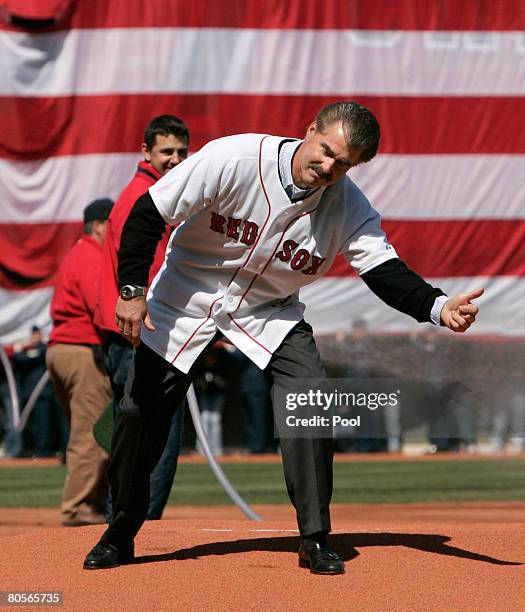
(267, 201)
(256, 276)
(196, 330)
(245, 332)
(309, 212)
(205, 320)
(246, 262)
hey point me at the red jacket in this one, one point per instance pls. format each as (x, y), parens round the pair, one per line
(108, 291)
(73, 303)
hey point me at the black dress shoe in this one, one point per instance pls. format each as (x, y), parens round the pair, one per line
(104, 556)
(319, 558)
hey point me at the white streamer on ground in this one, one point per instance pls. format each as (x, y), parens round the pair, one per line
(215, 467)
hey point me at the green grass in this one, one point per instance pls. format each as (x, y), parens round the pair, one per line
(357, 482)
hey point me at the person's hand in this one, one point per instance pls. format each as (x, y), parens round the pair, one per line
(459, 313)
(129, 315)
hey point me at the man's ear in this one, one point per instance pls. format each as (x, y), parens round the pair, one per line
(310, 130)
(145, 151)
(97, 225)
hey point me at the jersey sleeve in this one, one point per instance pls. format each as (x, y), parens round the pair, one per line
(376, 261)
(366, 245)
(189, 187)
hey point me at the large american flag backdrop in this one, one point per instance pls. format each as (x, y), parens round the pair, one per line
(445, 78)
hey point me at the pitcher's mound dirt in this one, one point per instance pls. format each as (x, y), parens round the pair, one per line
(224, 564)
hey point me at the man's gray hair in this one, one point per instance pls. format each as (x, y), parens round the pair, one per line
(360, 126)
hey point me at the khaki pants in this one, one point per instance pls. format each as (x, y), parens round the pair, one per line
(84, 390)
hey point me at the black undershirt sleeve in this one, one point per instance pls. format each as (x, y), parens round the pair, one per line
(140, 235)
(400, 287)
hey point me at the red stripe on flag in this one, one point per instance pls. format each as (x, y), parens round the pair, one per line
(432, 248)
(35, 252)
(489, 247)
(307, 14)
(109, 124)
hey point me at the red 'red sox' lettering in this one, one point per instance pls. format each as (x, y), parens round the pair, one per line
(249, 232)
(299, 259)
(217, 221)
(289, 247)
(316, 264)
(233, 226)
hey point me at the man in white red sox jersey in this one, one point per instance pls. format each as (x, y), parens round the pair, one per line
(260, 217)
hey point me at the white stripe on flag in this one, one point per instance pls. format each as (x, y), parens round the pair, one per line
(445, 186)
(350, 299)
(200, 60)
(399, 186)
(22, 309)
(57, 189)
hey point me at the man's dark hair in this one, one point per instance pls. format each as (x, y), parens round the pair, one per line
(98, 210)
(360, 126)
(166, 125)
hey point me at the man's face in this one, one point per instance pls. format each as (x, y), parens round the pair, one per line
(323, 158)
(36, 338)
(98, 230)
(166, 153)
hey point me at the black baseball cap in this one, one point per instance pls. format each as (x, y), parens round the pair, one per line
(98, 210)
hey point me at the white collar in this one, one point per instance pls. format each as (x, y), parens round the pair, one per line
(286, 154)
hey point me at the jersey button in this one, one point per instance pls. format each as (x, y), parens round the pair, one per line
(230, 299)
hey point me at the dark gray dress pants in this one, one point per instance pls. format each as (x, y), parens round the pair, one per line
(155, 388)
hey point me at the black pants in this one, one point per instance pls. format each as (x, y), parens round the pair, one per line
(155, 388)
(118, 356)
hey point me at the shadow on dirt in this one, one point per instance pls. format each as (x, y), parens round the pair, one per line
(345, 545)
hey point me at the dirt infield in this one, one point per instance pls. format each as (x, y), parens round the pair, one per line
(14, 521)
(421, 556)
(194, 458)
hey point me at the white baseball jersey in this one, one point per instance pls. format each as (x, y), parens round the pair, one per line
(242, 250)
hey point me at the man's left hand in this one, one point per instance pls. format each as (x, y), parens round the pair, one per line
(459, 313)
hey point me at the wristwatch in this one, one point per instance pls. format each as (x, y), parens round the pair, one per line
(128, 292)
